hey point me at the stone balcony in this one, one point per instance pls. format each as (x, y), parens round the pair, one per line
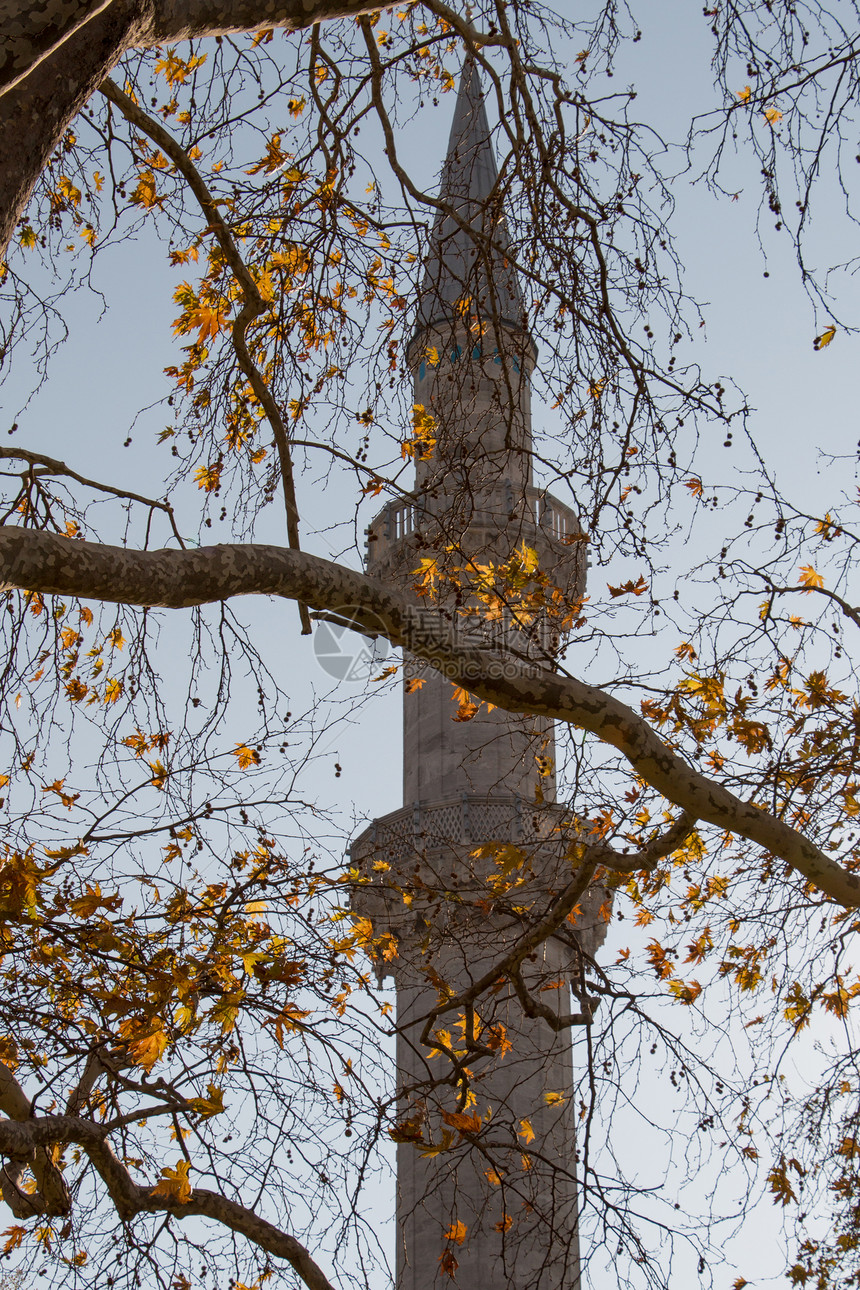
(427, 850)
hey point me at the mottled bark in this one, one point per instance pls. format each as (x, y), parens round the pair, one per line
(38, 561)
(181, 19)
(33, 31)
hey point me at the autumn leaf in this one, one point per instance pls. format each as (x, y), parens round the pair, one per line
(212, 1104)
(555, 1099)
(68, 799)
(772, 115)
(113, 689)
(69, 191)
(146, 193)
(159, 773)
(505, 1224)
(209, 477)
(694, 485)
(526, 1132)
(461, 1121)
(146, 1052)
(822, 341)
(449, 1264)
(246, 756)
(629, 588)
(408, 1130)
(175, 70)
(466, 711)
(14, 1237)
(414, 683)
(809, 578)
(457, 1232)
(174, 1184)
(744, 94)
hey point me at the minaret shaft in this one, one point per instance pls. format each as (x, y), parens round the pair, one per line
(486, 1171)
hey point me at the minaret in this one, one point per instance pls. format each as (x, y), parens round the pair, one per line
(486, 1157)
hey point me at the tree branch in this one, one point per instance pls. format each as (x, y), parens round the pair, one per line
(20, 1140)
(32, 560)
(253, 303)
(183, 19)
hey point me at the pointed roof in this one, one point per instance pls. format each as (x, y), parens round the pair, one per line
(456, 266)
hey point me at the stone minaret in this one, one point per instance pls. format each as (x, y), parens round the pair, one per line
(453, 879)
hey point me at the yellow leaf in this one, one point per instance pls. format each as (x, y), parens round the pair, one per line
(213, 1104)
(822, 341)
(146, 194)
(14, 1236)
(246, 756)
(209, 478)
(159, 773)
(809, 578)
(772, 115)
(113, 689)
(461, 1121)
(526, 1132)
(555, 1099)
(146, 1052)
(69, 191)
(175, 1184)
(175, 70)
(744, 94)
(493, 1178)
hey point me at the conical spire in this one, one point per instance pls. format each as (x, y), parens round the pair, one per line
(458, 267)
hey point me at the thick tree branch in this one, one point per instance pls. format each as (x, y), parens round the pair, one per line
(31, 33)
(183, 19)
(21, 1140)
(36, 561)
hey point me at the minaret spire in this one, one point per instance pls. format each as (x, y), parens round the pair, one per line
(469, 245)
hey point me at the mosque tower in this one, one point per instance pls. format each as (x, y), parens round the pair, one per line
(486, 1158)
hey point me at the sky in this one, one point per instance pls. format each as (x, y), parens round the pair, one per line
(758, 333)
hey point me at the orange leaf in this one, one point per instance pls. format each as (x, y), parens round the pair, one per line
(628, 588)
(460, 1120)
(174, 1184)
(457, 1232)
